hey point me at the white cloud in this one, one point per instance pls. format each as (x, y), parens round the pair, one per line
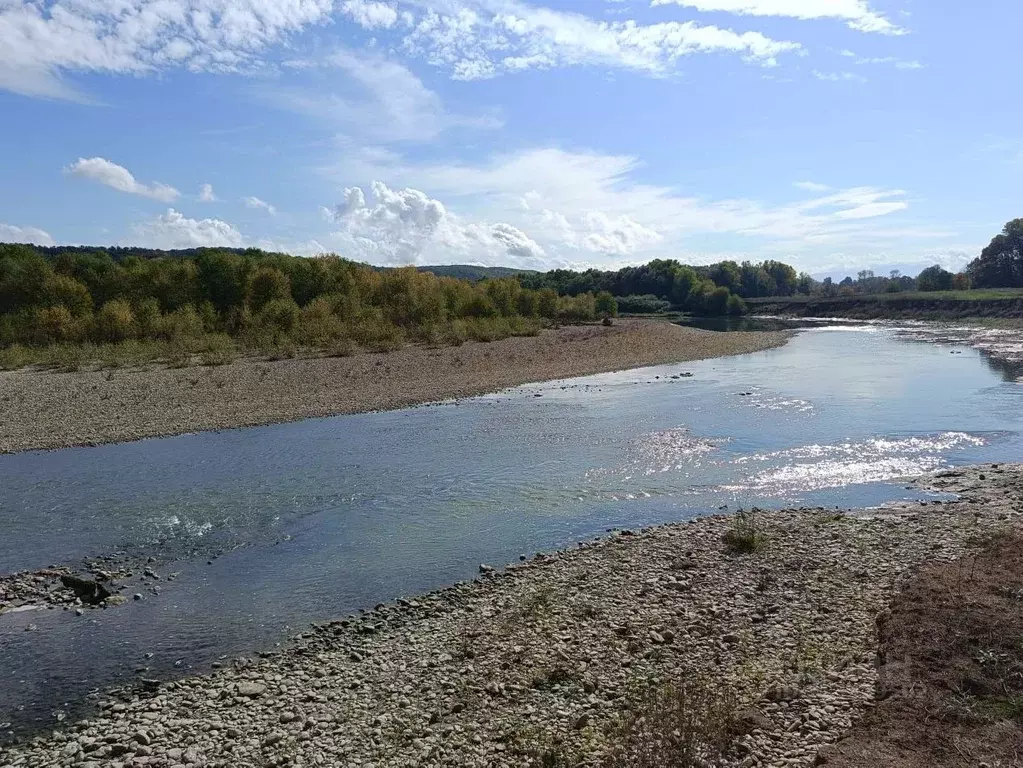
(839, 77)
(120, 178)
(40, 41)
(12, 234)
(496, 36)
(811, 186)
(592, 211)
(407, 226)
(206, 194)
(255, 202)
(856, 13)
(897, 63)
(369, 14)
(174, 230)
(380, 98)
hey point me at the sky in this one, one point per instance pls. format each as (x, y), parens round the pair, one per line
(834, 135)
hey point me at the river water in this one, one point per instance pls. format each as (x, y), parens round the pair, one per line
(322, 517)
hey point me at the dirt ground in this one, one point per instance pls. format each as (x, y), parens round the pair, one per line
(950, 689)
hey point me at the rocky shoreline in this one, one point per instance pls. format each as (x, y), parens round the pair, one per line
(46, 410)
(541, 663)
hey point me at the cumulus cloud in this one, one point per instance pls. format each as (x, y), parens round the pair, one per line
(490, 38)
(369, 14)
(12, 234)
(206, 194)
(120, 178)
(587, 208)
(857, 14)
(255, 202)
(175, 230)
(402, 226)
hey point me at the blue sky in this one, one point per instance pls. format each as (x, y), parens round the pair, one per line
(832, 134)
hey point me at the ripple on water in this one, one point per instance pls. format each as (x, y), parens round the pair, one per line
(814, 467)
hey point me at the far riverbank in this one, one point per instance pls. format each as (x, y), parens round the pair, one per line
(46, 410)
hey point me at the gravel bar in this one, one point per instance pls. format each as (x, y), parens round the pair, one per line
(43, 410)
(544, 656)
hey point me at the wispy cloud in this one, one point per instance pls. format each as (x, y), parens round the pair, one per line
(857, 14)
(486, 39)
(263, 205)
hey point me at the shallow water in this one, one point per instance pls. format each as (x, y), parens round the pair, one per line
(322, 517)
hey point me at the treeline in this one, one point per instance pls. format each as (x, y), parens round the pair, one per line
(722, 288)
(262, 300)
(701, 290)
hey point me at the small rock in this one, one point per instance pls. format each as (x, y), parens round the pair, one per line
(250, 689)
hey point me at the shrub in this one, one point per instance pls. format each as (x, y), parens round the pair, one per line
(644, 304)
(377, 334)
(218, 349)
(605, 305)
(577, 309)
(115, 321)
(318, 326)
(342, 347)
(67, 357)
(183, 324)
(275, 322)
(677, 724)
(148, 318)
(744, 535)
(14, 357)
(456, 332)
(55, 324)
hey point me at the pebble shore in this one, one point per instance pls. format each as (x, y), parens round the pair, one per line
(44, 410)
(542, 657)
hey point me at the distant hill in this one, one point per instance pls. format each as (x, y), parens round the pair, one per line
(474, 273)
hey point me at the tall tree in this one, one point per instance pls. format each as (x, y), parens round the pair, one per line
(1000, 265)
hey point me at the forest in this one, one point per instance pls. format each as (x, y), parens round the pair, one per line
(77, 303)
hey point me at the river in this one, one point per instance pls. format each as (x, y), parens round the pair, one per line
(319, 518)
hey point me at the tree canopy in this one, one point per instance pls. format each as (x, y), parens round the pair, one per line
(1000, 264)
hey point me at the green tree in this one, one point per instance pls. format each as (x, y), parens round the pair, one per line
(547, 303)
(934, 279)
(221, 277)
(1000, 264)
(735, 305)
(266, 284)
(604, 305)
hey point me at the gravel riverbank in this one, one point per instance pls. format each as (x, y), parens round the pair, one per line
(57, 410)
(540, 662)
